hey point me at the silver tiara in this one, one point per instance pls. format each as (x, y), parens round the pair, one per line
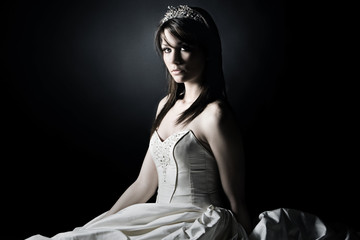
(182, 11)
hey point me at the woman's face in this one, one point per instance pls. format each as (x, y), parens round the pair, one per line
(184, 62)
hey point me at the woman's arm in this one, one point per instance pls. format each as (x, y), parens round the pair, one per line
(141, 190)
(225, 142)
(145, 185)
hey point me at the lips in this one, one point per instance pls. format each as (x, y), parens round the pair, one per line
(177, 71)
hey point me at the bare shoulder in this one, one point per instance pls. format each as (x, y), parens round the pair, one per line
(218, 122)
(162, 104)
(216, 113)
(217, 118)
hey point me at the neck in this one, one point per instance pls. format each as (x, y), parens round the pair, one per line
(192, 92)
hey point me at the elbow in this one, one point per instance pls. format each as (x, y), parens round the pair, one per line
(236, 200)
(239, 209)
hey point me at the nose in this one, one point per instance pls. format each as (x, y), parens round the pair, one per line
(176, 57)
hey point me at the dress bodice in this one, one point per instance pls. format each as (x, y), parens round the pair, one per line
(187, 171)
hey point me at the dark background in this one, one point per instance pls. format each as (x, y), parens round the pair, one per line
(82, 82)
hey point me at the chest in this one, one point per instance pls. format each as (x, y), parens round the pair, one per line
(168, 125)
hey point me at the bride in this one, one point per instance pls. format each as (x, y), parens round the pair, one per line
(195, 150)
(195, 155)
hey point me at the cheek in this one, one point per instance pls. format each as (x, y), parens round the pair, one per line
(186, 57)
(166, 60)
(195, 58)
(197, 63)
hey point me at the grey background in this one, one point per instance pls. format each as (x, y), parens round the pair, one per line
(82, 83)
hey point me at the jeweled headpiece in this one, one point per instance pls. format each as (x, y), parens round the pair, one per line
(182, 11)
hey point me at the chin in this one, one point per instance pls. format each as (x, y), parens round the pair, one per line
(178, 79)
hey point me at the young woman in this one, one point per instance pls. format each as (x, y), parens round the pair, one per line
(195, 151)
(194, 156)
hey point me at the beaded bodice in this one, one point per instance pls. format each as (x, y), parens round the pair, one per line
(187, 172)
(162, 152)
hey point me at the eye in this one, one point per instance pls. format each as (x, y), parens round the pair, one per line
(166, 50)
(185, 48)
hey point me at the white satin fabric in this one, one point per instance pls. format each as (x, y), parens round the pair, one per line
(187, 205)
(291, 224)
(288, 224)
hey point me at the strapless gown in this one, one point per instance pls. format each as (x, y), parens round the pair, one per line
(188, 205)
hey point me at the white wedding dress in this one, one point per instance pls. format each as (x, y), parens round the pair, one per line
(187, 205)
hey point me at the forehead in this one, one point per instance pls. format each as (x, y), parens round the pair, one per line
(168, 39)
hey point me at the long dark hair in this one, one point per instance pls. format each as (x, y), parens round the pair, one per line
(206, 36)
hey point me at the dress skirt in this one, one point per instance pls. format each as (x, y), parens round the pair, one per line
(158, 221)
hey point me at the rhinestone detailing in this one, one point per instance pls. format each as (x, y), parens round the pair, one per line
(162, 150)
(182, 11)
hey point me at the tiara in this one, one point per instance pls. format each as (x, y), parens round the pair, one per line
(182, 11)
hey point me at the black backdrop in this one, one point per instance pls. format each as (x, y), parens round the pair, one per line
(82, 82)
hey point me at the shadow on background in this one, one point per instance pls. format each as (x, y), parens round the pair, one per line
(83, 81)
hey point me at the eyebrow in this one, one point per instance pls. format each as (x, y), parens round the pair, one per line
(166, 43)
(180, 44)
